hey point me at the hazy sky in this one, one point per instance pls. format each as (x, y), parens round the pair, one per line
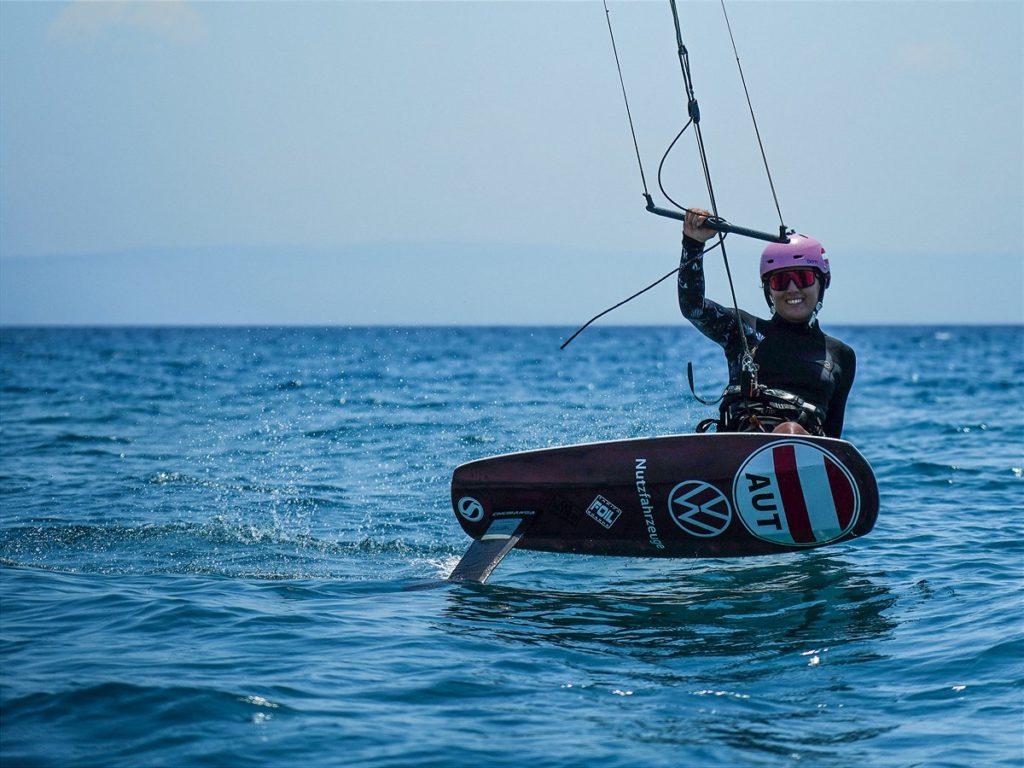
(429, 162)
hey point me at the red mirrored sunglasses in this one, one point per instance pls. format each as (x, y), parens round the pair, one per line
(804, 278)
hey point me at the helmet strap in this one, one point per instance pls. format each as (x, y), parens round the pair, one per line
(812, 321)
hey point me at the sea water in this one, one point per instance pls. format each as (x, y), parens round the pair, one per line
(228, 547)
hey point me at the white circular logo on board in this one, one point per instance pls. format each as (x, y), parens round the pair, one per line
(794, 492)
(471, 509)
(699, 508)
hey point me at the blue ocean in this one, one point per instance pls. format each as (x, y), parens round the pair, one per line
(229, 547)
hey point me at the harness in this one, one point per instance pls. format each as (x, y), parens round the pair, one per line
(763, 409)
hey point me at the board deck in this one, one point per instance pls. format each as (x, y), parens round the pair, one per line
(697, 495)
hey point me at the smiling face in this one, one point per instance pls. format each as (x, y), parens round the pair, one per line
(793, 303)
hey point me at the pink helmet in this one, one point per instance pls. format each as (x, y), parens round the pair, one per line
(800, 251)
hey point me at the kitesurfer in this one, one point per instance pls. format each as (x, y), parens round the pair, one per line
(798, 378)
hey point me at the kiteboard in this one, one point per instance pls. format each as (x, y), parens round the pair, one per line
(697, 495)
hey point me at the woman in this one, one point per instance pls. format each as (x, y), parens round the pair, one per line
(798, 379)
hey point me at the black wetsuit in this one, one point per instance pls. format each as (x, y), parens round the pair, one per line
(794, 357)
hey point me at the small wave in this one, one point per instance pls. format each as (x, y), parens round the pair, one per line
(171, 478)
(926, 469)
(288, 492)
(331, 433)
(136, 707)
(51, 418)
(476, 439)
(75, 438)
(220, 546)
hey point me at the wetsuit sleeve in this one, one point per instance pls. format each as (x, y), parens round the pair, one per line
(847, 360)
(711, 319)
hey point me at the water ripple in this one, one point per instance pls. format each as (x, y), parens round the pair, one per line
(232, 544)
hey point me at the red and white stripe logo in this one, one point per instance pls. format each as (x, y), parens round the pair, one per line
(794, 492)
